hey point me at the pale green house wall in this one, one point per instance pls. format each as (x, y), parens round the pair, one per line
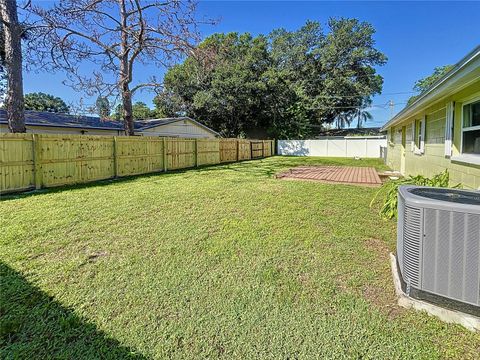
(433, 160)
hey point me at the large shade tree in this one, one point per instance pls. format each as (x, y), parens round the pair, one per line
(113, 36)
(286, 84)
(45, 102)
(220, 83)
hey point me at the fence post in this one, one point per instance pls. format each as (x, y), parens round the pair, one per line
(346, 145)
(196, 152)
(115, 157)
(37, 161)
(236, 142)
(164, 154)
(366, 147)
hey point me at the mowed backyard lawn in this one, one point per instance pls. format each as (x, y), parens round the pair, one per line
(225, 261)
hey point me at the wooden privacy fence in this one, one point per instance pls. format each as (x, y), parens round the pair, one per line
(29, 161)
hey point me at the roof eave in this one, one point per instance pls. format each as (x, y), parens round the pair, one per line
(2, 122)
(436, 89)
(176, 120)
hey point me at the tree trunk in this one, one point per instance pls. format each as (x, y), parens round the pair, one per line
(127, 110)
(13, 64)
(125, 74)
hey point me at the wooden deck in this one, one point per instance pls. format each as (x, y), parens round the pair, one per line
(366, 176)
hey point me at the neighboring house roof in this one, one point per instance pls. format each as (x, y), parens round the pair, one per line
(42, 118)
(461, 75)
(151, 123)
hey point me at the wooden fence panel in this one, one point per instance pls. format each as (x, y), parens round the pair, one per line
(244, 150)
(41, 160)
(266, 148)
(180, 153)
(138, 155)
(208, 151)
(70, 159)
(17, 170)
(228, 150)
(257, 149)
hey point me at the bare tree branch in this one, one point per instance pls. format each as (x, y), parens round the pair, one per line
(113, 35)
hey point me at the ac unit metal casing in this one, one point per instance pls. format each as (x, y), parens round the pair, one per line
(438, 242)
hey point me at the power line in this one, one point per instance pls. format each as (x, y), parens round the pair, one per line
(359, 96)
(380, 106)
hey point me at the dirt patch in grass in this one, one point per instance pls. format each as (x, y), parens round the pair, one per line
(381, 294)
(378, 246)
(93, 257)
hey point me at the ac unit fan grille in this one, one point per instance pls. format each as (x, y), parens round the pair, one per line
(412, 245)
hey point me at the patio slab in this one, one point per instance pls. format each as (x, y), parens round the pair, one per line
(366, 176)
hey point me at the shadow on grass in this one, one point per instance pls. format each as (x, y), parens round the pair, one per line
(247, 166)
(267, 167)
(34, 325)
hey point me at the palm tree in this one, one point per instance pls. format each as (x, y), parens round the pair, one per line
(361, 114)
(343, 120)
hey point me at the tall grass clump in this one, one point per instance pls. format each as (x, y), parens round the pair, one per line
(389, 190)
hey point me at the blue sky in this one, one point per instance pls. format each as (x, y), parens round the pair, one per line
(416, 37)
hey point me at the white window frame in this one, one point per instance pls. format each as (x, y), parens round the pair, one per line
(391, 137)
(449, 120)
(471, 128)
(420, 149)
(412, 141)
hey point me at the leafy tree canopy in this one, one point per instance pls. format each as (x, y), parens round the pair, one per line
(286, 84)
(102, 107)
(140, 111)
(425, 83)
(40, 101)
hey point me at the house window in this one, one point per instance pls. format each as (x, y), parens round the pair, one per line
(471, 128)
(418, 136)
(418, 133)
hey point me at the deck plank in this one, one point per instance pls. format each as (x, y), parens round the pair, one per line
(367, 176)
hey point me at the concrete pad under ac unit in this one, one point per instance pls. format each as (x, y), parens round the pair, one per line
(470, 322)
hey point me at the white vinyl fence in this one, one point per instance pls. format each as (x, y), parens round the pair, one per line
(353, 146)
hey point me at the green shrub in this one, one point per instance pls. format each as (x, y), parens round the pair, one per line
(390, 190)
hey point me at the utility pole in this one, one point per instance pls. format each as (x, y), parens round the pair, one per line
(391, 104)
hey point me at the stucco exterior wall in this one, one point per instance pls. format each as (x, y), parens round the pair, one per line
(433, 160)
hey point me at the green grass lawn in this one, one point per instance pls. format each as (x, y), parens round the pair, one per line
(223, 261)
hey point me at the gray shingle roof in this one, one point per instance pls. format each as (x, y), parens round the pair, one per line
(44, 118)
(65, 120)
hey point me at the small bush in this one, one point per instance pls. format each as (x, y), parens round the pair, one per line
(390, 190)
